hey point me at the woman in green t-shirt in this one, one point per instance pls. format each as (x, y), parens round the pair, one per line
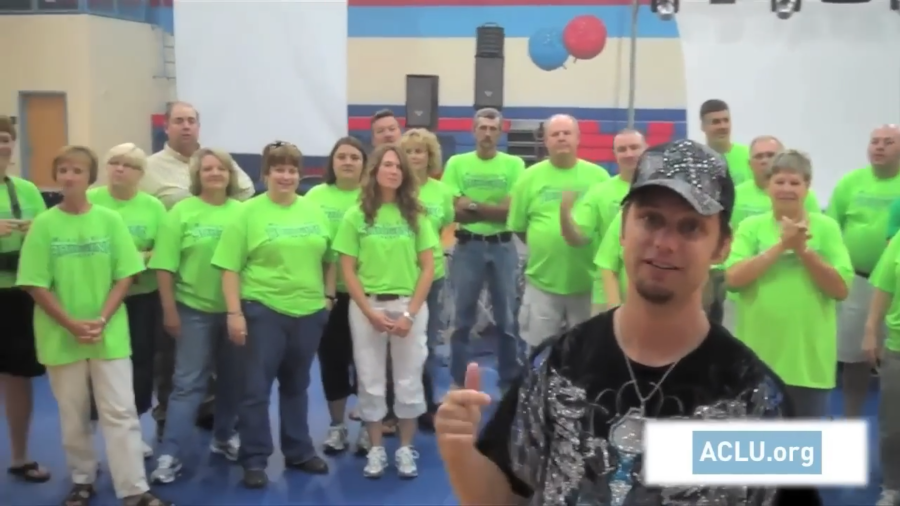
(789, 268)
(78, 263)
(278, 280)
(387, 246)
(193, 311)
(424, 154)
(143, 215)
(339, 192)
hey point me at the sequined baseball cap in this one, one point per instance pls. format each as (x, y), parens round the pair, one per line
(695, 172)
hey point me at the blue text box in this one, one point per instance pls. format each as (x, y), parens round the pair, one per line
(757, 452)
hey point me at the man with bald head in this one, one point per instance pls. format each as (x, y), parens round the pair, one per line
(558, 276)
(590, 220)
(168, 178)
(860, 203)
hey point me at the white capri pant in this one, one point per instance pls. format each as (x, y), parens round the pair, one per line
(117, 416)
(408, 354)
(852, 314)
(543, 314)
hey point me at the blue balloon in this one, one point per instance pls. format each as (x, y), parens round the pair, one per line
(547, 50)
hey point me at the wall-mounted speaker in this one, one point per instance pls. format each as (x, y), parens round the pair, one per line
(422, 101)
(490, 39)
(489, 82)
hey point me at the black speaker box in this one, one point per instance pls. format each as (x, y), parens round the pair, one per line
(422, 101)
(489, 83)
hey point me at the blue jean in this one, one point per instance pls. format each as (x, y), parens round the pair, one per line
(474, 263)
(202, 347)
(278, 347)
(433, 333)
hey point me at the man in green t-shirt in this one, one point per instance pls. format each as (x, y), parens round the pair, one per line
(860, 204)
(893, 219)
(558, 276)
(482, 181)
(715, 121)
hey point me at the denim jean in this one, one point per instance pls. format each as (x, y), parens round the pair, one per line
(202, 347)
(474, 263)
(144, 328)
(433, 333)
(278, 347)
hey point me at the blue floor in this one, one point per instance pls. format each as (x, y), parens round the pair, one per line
(213, 481)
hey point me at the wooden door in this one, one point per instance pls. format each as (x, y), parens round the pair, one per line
(44, 121)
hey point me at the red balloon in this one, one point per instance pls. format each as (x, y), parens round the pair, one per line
(585, 37)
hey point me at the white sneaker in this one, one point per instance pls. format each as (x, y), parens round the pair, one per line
(363, 445)
(167, 469)
(148, 451)
(376, 463)
(405, 460)
(337, 440)
(228, 449)
(889, 498)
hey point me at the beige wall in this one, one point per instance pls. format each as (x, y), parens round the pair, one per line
(106, 67)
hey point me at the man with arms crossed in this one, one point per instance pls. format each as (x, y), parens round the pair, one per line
(656, 356)
(167, 178)
(599, 207)
(860, 203)
(485, 251)
(558, 276)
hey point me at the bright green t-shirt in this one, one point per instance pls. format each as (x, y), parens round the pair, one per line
(886, 277)
(185, 245)
(594, 214)
(437, 200)
(893, 219)
(79, 257)
(144, 214)
(280, 253)
(553, 265)
(484, 181)
(860, 204)
(335, 202)
(31, 203)
(783, 316)
(738, 158)
(609, 255)
(387, 251)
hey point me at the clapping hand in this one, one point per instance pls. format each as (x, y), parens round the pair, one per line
(794, 234)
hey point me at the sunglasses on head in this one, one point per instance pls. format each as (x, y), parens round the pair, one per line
(278, 144)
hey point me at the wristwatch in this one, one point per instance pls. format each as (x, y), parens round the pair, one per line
(409, 316)
(473, 206)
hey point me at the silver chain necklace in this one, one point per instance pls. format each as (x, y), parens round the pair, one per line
(637, 389)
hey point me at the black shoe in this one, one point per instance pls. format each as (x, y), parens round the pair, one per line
(160, 429)
(255, 478)
(205, 422)
(315, 465)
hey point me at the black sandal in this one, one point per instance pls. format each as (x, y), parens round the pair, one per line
(80, 495)
(31, 472)
(148, 499)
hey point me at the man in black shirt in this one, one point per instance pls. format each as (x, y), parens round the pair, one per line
(570, 431)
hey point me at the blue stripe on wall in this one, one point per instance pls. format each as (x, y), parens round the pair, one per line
(538, 113)
(436, 22)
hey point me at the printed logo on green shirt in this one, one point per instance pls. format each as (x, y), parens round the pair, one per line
(86, 247)
(550, 194)
(435, 212)
(139, 231)
(873, 200)
(275, 231)
(389, 230)
(198, 231)
(485, 182)
(334, 214)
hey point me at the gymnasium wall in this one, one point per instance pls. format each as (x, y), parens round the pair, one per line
(104, 66)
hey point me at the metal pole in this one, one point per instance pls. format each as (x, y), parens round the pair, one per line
(632, 62)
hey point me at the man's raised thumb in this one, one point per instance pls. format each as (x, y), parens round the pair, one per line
(473, 377)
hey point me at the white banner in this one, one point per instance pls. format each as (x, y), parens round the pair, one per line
(264, 71)
(821, 80)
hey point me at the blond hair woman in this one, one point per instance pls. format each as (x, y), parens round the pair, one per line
(194, 311)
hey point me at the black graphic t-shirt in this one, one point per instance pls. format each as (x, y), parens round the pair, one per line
(570, 431)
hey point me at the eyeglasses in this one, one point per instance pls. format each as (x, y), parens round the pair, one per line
(278, 144)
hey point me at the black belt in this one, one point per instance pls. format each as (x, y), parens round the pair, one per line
(463, 236)
(384, 297)
(862, 274)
